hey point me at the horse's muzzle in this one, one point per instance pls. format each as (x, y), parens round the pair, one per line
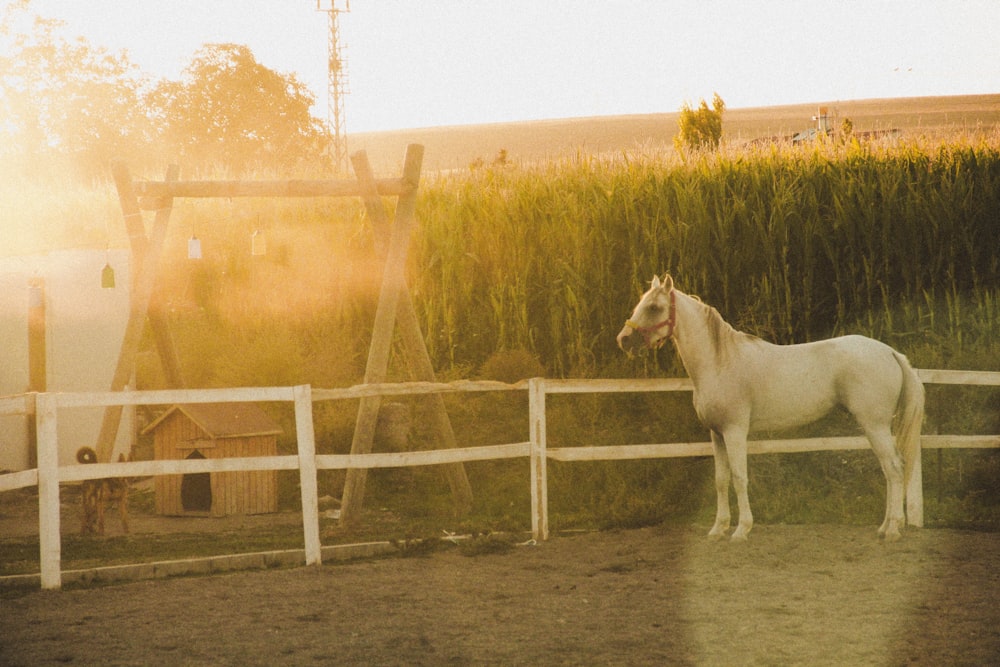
(628, 341)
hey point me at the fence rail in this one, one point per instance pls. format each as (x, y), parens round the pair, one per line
(48, 475)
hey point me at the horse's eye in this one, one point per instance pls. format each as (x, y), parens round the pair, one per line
(654, 308)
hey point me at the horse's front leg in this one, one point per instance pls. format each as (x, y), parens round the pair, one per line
(722, 517)
(736, 447)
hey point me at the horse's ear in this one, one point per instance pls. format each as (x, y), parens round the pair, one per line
(668, 282)
(655, 283)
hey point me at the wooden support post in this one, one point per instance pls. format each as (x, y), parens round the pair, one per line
(414, 350)
(155, 311)
(915, 493)
(37, 364)
(146, 252)
(159, 326)
(37, 357)
(305, 434)
(539, 460)
(385, 319)
(49, 537)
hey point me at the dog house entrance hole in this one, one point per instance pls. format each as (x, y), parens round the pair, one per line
(196, 488)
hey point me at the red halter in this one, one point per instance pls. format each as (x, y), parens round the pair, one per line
(647, 332)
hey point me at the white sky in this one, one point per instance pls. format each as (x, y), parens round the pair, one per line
(451, 62)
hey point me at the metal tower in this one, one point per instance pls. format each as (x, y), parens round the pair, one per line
(336, 83)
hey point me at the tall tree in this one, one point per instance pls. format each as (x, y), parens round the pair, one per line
(230, 111)
(64, 98)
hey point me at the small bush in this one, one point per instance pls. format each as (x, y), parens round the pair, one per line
(701, 128)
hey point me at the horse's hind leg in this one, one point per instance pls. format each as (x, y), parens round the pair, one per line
(721, 488)
(892, 467)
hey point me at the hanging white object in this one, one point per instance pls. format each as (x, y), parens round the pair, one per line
(258, 244)
(194, 248)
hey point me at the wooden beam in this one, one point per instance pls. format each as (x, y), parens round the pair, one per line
(37, 356)
(166, 349)
(415, 354)
(146, 251)
(393, 284)
(987, 378)
(306, 438)
(156, 194)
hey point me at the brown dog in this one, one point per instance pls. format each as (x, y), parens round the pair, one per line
(99, 493)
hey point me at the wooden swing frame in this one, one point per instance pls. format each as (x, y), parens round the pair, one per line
(395, 305)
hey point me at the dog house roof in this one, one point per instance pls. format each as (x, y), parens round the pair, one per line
(223, 420)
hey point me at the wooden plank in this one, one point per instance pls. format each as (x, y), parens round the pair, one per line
(154, 193)
(566, 386)
(49, 538)
(20, 404)
(987, 378)
(629, 452)
(414, 389)
(792, 446)
(77, 473)
(960, 441)
(171, 396)
(539, 460)
(307, 474)
(166, 349)
(18, 480)
(684, 449)
(422, 458)
(489, 452)
(37, 347)
(581, 386)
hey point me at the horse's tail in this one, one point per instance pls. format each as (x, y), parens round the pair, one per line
(909, 420)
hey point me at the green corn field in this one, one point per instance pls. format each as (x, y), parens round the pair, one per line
(896, 239)
(792, 244)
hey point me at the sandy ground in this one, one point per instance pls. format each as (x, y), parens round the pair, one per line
(792, 595)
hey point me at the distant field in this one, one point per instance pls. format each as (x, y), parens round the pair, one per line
(456, 147)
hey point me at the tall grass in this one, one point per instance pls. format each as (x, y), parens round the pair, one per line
(789, 243)
(897, 240)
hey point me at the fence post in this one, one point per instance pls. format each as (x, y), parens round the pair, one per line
(539, 477)
(306, 436)
(915, 492)
(49, 539)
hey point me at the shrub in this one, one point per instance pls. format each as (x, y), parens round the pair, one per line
(701, 127)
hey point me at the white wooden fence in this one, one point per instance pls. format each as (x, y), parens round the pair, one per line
(48, 475)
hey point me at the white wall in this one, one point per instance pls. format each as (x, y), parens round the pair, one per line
(85, 325)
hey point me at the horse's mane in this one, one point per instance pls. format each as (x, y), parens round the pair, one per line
(721, 334)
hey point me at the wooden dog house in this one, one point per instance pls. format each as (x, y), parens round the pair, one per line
(215, 431)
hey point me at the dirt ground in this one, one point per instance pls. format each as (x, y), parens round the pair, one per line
(792, 595)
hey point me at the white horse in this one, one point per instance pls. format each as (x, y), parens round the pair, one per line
(744, 384)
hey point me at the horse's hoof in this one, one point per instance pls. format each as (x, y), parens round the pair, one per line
(717, 534)
(891, 536)
(739, 537)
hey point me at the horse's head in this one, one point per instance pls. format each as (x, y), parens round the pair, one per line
(653, 318)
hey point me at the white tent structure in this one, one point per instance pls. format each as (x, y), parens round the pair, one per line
(81, 331)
